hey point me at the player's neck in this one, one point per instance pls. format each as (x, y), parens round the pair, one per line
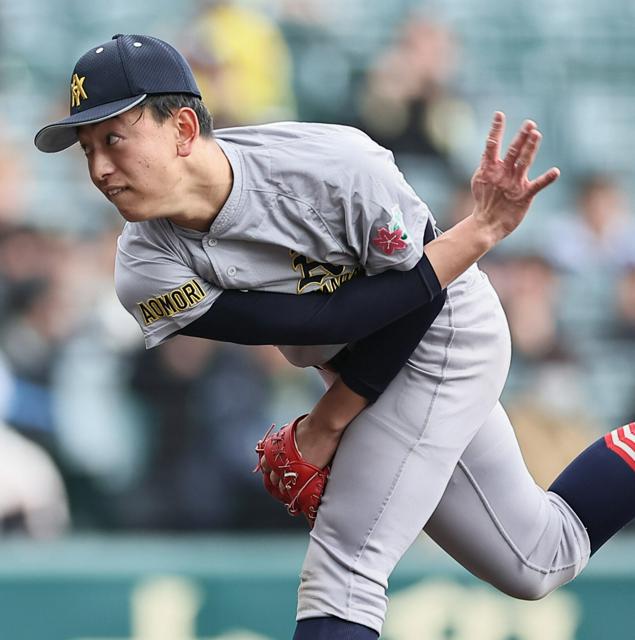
(207, 182)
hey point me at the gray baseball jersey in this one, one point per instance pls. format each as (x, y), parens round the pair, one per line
(297, 220)
(310, 205)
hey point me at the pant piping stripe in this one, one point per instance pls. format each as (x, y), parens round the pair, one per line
(504, 534)
(426, 421)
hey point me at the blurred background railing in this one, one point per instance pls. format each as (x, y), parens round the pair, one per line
(102, 436)
(243, 588)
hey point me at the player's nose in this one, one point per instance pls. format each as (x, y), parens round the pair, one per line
(100, 167)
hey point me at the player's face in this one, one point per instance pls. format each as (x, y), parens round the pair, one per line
(132, 161)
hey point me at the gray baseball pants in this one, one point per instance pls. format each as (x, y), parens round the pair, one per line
(436, 452)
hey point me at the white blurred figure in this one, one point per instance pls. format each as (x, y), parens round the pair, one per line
(31, 488)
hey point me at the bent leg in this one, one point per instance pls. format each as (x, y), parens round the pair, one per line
(599, 485)
(396, 458)
(501, 526)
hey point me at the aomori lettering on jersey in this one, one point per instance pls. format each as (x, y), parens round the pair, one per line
(168, 304)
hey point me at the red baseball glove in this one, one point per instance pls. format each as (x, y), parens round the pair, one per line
(302, 483)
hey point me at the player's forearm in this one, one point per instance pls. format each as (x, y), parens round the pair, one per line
(336, 408)
(458, 248)
(319, 433)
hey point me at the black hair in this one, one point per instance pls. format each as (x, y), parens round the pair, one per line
(163, 105)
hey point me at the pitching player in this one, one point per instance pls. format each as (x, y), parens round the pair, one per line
(225, 230)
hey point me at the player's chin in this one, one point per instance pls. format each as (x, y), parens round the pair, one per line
(132, 213)
(138, 207)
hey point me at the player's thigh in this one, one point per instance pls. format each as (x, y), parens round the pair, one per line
(396, 457)
(500, 525)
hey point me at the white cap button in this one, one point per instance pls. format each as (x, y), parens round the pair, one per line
(231, 271)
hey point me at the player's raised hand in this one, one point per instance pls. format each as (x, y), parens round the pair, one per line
(501, 188)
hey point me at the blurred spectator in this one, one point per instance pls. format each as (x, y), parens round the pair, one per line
(44, 308)
(550, 439)
(545, 393)
(409, 104)
(31, 341)
(207, 404)
(592, 247)
(97, 431)
(460, 204)
(529, 295)
(618, 374)
(242, 64)
(26, 254)
(625, 305)
(323, 65)
(542, 359)
(601, 232)
(303, 11)
(32, 495)
(13, 181)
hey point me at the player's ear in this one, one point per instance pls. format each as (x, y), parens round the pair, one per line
(188, 130)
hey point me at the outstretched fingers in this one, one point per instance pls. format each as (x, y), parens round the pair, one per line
(495, 138)
(518, 143)
(527, 154)
(542, 181)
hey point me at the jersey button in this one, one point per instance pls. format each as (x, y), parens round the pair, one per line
(231, 271)
(212, 242)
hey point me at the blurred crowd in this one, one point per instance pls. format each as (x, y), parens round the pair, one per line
(97, 433)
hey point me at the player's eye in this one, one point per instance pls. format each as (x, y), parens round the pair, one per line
(112, 138)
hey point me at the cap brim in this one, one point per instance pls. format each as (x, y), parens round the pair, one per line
(62, 134)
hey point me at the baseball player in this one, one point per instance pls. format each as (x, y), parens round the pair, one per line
(224, 231)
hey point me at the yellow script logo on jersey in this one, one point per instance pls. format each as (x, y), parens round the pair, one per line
(78, 93)
(320, 276)
(171, 303)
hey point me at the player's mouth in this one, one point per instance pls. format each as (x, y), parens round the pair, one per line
(113, 192)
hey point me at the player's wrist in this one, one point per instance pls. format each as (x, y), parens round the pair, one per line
(335, 409)
(316, 442)
(328, 423)
(485, 232)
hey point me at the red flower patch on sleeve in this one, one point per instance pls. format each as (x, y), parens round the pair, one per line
(389, 241)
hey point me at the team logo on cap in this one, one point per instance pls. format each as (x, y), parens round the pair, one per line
(78, 93)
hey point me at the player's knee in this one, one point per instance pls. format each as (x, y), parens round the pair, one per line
(529, 586)
(533, 591)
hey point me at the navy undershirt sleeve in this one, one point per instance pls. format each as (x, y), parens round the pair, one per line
(356, 309)
(369, 365)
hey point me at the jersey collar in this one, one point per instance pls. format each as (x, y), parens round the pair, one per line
(228, 214)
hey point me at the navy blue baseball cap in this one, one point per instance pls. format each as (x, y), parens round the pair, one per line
(114, 77)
